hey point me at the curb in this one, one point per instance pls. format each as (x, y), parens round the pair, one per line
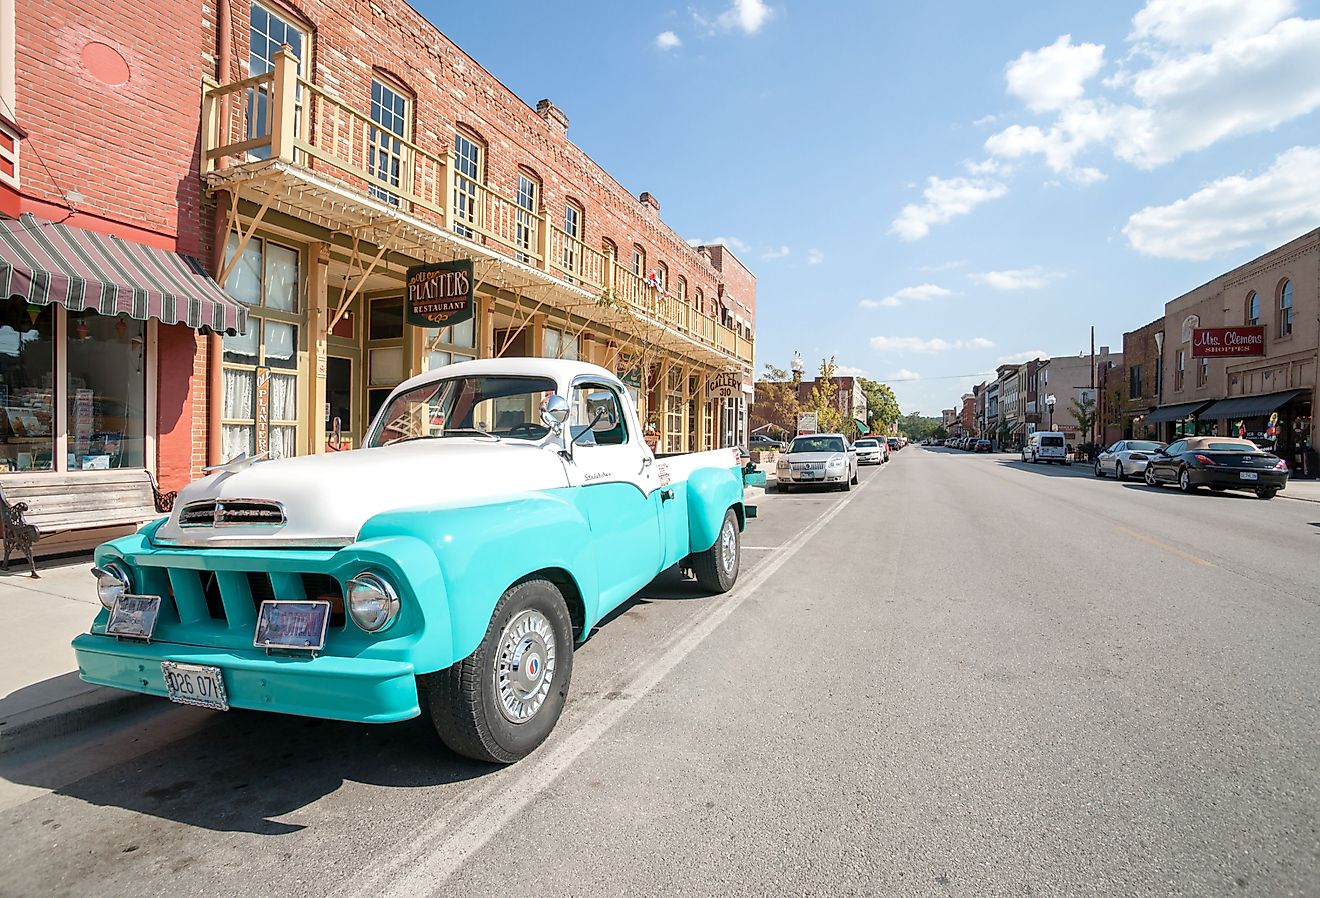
(1284, 495)
(66, 716)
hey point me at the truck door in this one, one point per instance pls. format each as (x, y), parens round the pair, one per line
(617, 490)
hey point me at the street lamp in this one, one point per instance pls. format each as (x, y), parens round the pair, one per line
(797, 368)
(1049, 404)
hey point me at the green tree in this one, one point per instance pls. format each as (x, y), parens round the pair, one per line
(939, 433)
(881, 405)
(1084, 412)
(775, 402)
(824, 401)
(916, 426)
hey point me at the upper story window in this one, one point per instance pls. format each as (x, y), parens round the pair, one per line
(638, 260)
(661, 277)
(389, 116)
(528, 199)
(1180, 368)
(1285, 308)
(469, 172)
(699, 301)
(1134, 382)
(1203, 372)
(1253, 308)
(573, 230)
(681, 289)
(267, 32)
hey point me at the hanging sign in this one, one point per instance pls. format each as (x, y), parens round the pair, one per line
(439, 294)
(1233, 342)
(725, 385)
(261, 413)
(628, 370)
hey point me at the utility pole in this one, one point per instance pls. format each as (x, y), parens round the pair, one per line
(1095, 412)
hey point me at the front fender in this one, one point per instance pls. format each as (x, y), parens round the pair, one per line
(482, 549)
(710, 493)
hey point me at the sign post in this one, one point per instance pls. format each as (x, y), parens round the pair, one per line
(807, 424)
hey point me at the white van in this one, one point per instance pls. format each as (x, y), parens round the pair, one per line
(1046, 445)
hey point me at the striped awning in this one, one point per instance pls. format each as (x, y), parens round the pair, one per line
(47, 262)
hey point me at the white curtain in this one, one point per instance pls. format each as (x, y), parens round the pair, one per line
(282, 442)
(240, 390)
(283, 398)
(236, 439)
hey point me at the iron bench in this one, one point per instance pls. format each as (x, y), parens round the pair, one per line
(34, 505)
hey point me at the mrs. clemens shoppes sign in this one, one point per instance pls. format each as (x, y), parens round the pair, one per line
(440, 294)
(1221, 342)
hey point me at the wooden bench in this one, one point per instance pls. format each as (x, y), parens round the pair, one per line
(35, 505)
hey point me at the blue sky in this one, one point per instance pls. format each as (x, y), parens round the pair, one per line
(926, 189)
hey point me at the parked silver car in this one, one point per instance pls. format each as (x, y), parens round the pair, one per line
(820, 458)
(1126, 458)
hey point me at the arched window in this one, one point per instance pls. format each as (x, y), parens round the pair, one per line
(699, 301)
(638, 260)
(610, 248)
(681, 288)
(1253, 308)
(661, 277)
(1285, 308)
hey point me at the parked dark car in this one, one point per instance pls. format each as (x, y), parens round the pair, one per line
(761, 441)
(895, 443)
(983, 446)
(1221, 463)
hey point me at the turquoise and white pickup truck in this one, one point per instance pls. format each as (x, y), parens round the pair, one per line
(497, 511)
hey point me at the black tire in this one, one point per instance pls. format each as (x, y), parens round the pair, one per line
(846, 485)
(1118, 472)
(716, 571)
(1185, 484)
(855, 475)
(1266, 492)
(463, 700)
(1099, 471)
(1150, 478)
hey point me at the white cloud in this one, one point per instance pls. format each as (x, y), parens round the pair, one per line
(1016, 278)
(934, 344)
(815, 257)
(903, 374)
(919, 293)
(986, 120)
(730, 242)
(1018, 358)
(944, 200)
(1234, 212)
(1052, 77)
(849, 371)
(777, 252)
(667, 40)
(987, 167)
(745, 15)
(944, 266)
(1190, 23)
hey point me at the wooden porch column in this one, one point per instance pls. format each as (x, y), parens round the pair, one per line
(318, 320)
(662, 394)
(282, 104)
(685, 431)
(486, 327)
(536, 339)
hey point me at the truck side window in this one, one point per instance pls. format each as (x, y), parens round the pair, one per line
(597, 408)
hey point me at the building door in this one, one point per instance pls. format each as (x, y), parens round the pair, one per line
(342, 425)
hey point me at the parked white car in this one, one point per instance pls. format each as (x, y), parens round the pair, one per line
(1126, 458)
(871, 451)
(824, 458)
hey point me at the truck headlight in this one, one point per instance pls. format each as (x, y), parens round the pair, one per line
(112, 581)
(372, 602)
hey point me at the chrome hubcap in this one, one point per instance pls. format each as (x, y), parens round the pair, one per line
(1185, 480)
(728, 547)
(525, 666)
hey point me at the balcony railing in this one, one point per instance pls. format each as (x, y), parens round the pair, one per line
(280, 116)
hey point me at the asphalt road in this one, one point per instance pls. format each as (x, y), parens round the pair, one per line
(968, 677)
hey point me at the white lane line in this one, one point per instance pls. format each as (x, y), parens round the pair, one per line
(440, 848)
(759, 548)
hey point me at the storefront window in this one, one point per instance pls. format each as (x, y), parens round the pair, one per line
(560, 345)
(106, 391)
(27, 379)
(447, 345)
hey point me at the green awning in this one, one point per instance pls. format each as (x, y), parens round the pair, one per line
(861, 426)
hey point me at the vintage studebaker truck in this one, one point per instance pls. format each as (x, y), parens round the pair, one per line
(497, 511)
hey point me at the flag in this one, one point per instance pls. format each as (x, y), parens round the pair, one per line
(1242, 429)
(1272, 431)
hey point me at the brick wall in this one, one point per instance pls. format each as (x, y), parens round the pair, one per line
(1139, 349)
(354, 40)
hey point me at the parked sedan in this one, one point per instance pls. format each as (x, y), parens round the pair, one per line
(984, 446)
(871, 451)
(1221, 463)
(761, 441)
(1126, 458)
(820, 458)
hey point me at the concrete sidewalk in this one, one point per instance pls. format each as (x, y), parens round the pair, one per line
(1305, 490)
(40, 692)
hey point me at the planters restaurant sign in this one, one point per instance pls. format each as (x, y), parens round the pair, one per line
(1221, 342)
(440, 294)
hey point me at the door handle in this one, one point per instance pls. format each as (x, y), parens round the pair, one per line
(666, 495)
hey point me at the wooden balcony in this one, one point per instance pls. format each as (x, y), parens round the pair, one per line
(281, 118)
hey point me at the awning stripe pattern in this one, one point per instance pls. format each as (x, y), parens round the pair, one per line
(47, 262)
(1176, 412)
(1249, 406)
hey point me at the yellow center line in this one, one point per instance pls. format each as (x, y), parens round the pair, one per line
(1185, 556)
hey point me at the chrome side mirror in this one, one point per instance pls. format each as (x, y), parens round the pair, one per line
(556, 412)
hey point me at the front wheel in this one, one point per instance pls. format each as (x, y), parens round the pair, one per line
(1099, 471)
(716, 568)
(501, 702)
(854, 478)
(1150, 477)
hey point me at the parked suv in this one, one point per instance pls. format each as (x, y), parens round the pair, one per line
(1048, 446)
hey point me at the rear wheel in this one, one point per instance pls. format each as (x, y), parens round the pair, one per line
(716, 568)
(1185, 481)
(1266, 492)
(1118, 471)
(501, 702)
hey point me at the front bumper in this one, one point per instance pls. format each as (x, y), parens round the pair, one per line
(819, 476)
(360, 690)
(872, 458)
(1230, 479)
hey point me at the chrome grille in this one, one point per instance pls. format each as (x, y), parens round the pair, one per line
(232, 513)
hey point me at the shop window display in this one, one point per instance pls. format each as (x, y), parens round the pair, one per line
(106, 391)
(27, 380)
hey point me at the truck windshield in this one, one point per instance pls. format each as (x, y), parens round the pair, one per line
(495, 405)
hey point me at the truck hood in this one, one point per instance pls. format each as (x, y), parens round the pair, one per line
(325, 499)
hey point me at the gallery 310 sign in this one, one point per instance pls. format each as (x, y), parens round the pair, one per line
(440, 294)
(1221, 342)
(725, 385)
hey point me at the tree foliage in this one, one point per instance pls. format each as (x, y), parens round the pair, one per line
(916, 426)
(881, 405)
(824, 401)
(776, 403)
(1084, 412)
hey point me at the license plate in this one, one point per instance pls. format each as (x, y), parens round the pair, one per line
(1247, 475)
(195, 684)
(292, 625)
(133, 617)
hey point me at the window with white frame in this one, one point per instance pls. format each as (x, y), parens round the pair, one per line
(267, 32)
(638, 261)
(266, 279)
(528, 199)
(1285, 309)
(449, 345)
(680, 287)
(1179, 369)
(661, 277)
(1253, 308)
(573, 230)
(389, 116)
(469, 161)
